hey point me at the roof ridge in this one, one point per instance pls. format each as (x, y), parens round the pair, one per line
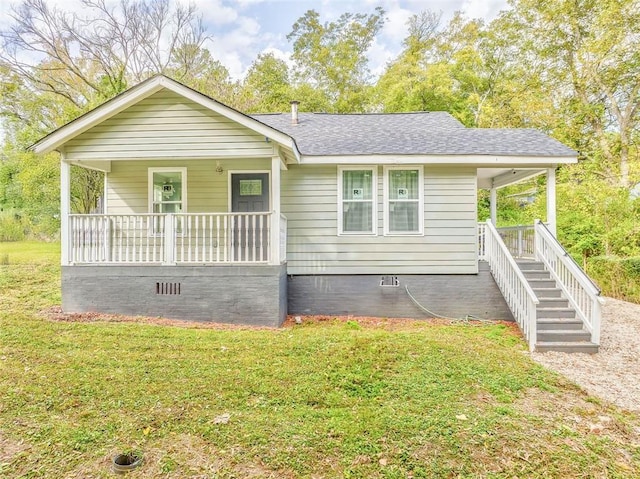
(356, 113)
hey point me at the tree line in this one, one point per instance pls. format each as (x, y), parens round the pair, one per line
(570, 68)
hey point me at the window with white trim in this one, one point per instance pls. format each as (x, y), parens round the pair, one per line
(167, 190)
(357, 200)
(403, 200)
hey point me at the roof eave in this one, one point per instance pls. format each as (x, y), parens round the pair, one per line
(437, 159)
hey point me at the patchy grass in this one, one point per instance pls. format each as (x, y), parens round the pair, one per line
(29, 252)
(323, 399)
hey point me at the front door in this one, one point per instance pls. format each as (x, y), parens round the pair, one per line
(250, 194)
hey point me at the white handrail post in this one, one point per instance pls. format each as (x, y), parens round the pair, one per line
(169, 239)
(274, 237)
(596, 314)
(487, 242)
(532, 326)
(107, 238)
(536, 241)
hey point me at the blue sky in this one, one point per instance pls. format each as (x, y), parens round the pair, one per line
(242, 29)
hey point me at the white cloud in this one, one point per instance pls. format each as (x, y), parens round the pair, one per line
(238, 47)
(250, 3)
(379, 55)
(395, 28)
(215, 12)
(487, 9)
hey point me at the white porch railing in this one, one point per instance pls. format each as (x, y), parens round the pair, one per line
(189, 238)
(221, 237)
(116, 238)
(582, 294)
(514, 287)
(482, 241)
(520, 240)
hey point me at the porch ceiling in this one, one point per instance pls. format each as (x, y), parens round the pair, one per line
(501, 177)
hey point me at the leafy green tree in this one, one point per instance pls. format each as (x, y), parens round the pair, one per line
(331, 56)
(267, 85)
(194, 66)
(85, 59)
(584, 53)
(408, 84)
(443, 69)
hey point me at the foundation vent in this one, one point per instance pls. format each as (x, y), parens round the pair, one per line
(389, 281)
(168, 288)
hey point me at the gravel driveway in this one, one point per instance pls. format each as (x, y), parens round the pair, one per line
(614, 373)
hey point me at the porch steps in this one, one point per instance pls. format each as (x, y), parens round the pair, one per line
(558, 328)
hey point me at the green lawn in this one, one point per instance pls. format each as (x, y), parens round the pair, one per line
(330, 399)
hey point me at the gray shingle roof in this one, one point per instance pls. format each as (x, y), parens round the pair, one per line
(421, 133)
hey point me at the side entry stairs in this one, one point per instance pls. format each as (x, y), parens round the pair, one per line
(557, 325)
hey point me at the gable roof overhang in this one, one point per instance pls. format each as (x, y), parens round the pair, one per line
(57, 138)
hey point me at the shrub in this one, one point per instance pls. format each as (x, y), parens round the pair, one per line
(618, 277)
(11, 226)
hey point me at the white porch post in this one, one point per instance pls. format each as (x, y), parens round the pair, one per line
(105, 194)
(65, 210)
(169, 239)
(274, 237)
(493, 205)
(551, 200)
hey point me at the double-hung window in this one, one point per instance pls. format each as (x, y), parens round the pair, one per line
(357, 200)
(403, 200)
(167, 190)
(167, 194)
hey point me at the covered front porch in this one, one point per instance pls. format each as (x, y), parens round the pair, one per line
(493, 179)
(233, 214)
(208, 248)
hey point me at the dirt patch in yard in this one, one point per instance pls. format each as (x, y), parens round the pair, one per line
(10, 449)
(55, 313)
(614, 373)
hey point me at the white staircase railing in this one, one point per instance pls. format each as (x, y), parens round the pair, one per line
(514, 287)
(582, 294)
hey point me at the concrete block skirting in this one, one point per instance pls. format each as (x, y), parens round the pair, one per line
(455, 296)
(238, 294)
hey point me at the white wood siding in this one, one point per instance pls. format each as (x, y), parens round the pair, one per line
(207, 190)
(166, 125)
(309, 200)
